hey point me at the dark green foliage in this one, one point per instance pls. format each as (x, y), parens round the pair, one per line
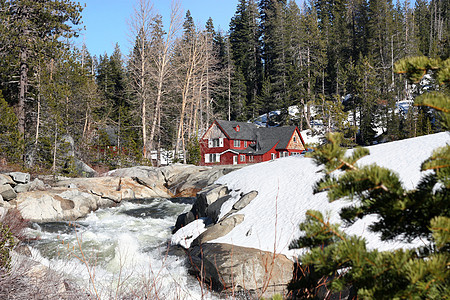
(193, 152)
(11, 142)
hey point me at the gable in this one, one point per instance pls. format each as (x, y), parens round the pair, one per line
(295, 142)
(214, 132)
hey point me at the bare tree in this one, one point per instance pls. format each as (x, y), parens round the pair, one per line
(191, 60)
(140, 30)
(162, 46)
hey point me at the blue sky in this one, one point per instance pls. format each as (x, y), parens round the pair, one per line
(106, 20)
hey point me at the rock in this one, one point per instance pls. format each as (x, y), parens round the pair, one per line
(7, 192)
(156, 186)
(2, 210)
(218, 230)
(39, 208)
(69, 144)
(83, 169)
(113, 188)
(37, 185)
(213, 210)
(234, 268)
(20, 177)
(245, 200)
(207, 196)
(5, 179)
(22, 187)
(139, 171)
(183, 220)
(4, 205)
(186, 180)
(57, 205)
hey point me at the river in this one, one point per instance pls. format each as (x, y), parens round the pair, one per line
(121, 251)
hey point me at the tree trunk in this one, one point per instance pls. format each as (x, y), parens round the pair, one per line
(23, 85)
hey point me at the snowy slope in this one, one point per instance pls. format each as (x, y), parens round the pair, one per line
(285, 193)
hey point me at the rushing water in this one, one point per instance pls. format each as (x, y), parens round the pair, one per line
(120, 250)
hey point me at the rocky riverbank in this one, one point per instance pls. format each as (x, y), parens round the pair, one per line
(49, 198)
(223, 266)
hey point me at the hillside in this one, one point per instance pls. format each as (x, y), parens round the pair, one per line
(285, 193)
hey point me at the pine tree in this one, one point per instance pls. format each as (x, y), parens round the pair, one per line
(31, 29)
(11, 142)
(342, 260)
(246, 51)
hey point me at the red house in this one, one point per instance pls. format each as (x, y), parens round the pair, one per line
(229, 142)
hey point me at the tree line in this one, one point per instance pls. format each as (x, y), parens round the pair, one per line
(333, 59)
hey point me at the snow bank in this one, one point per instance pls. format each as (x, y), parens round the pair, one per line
(285, 193)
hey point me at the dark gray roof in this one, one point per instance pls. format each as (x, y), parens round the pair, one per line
(246, 130)
(282, 134)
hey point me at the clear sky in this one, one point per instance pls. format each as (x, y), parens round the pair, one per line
(106, 21)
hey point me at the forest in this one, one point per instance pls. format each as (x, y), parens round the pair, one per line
(333, 59)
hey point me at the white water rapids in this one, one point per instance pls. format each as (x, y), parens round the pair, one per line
(120, 251)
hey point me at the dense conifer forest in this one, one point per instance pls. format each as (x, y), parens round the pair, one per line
(333, 59)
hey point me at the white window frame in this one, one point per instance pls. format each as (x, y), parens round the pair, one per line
(237, 143)
(273, 156)
(245, 144)
(212, 158)
(242, 158)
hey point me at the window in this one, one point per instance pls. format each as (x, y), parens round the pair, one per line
(295, 153)
(242, 158)
(237, 143)
(273, 156)
(212, 158)
(295, 139)
(245, 144)
(215, 143)
(250, 158)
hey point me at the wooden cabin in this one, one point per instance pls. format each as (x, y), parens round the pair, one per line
(230, 142)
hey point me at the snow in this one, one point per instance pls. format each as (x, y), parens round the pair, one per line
(285, 193)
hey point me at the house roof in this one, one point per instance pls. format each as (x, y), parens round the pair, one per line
(246, 130)
(281, 134)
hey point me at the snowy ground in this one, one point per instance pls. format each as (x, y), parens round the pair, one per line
(285, 193)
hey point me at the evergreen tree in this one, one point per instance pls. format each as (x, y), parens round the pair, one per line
(246, 52)
(10, 138)
(29, 30)
(238, 96)
(274, 51)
